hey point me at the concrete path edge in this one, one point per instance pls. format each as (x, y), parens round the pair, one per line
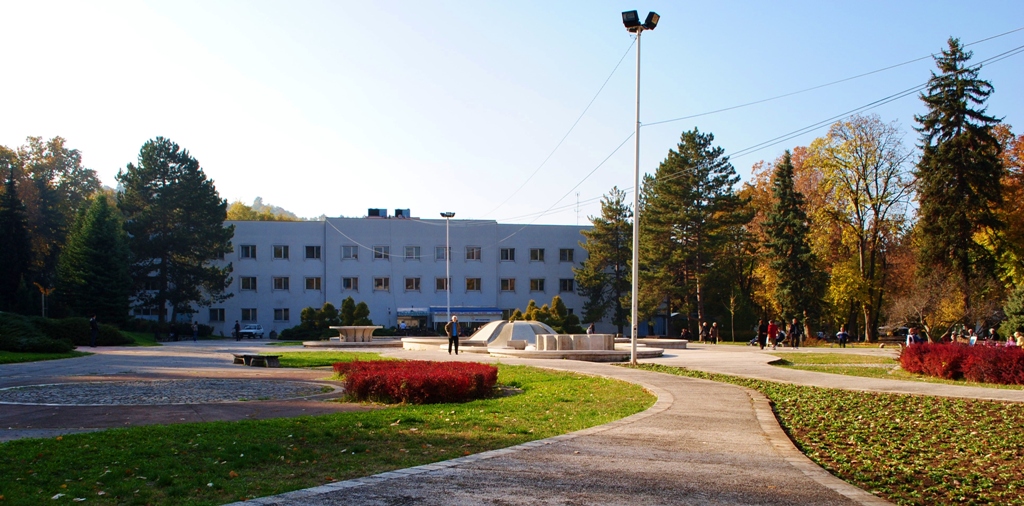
(759, 403)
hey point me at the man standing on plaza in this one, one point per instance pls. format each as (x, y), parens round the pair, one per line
(94, 331)
(451, 329)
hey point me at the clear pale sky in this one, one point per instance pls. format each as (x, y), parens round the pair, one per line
(334, 107)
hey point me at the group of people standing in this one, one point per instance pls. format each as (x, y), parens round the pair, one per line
(777, 333)
(708, 333)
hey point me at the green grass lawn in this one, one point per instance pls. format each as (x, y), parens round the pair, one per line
(867, 366)
(12, 357)
(908, 449)
(142, 338)
(323, 358)
(285, 343)
(218, 462)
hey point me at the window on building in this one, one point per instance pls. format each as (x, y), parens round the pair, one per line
(313, 283)
(507, 313)
(412, 284)
(537, 285)
(280, 252)
(281, 314)
(150, 284)
(312, 252)
(219, 255)
(441, 284)
(508, 254)
(281, 283)
(249, 314)
(350, 284)
(508, 284)
(148, 311)
(382, 284)
(566, 285)
(247, 251)
(382, 252)
(349, 252)
(472, 252)
(247, 282)
(216, 314)
(412, 252)
(536, 254)
(472, 284)
(439, 253)
(565, 254)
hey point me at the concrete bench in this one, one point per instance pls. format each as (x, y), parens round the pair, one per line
(258, 360)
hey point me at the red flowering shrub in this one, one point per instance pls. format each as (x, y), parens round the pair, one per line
(983, 364)
(912, 358)
(417, 382)
(944, 360)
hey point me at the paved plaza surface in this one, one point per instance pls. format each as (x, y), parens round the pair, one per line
(701, 443)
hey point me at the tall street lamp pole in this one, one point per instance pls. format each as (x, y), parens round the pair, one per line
(631, 20)
(448, 261)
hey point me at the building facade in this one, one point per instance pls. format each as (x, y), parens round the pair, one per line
(396, 265)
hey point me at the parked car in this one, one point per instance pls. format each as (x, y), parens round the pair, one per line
(252, 330)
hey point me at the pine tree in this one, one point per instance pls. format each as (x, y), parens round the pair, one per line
(798, 291)
(688, 210)
(175, 222)
(604, 277)
(16, 252)
(959, 173)
(92, 273)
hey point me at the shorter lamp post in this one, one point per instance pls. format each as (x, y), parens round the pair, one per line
(448, 261)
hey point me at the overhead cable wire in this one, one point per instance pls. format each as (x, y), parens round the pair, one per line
(812, 88)
(566, 136)
(796, 133)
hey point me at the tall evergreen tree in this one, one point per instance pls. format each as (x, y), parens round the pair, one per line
(92, 275)
(799, 289)
(689, 208)
(175, 223)
(16, 252)
(959, 173)
(604, 277)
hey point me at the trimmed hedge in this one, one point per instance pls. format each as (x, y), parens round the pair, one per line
(18, 334)
(1002, 365)
(417, 382)
(76, 330)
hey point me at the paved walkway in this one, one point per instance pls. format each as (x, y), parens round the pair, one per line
(702, 443)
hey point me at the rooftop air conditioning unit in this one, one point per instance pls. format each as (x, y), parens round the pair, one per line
(402, 213)
(377, 213)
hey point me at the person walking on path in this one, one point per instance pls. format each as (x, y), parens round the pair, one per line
(451, 329)
(94, 331)
(795, 332)
(590, 329)
(238, 331)
(773, 333)
(842, 336)
(705, 332)
(195, 332)
(762, 333)
(714, 333)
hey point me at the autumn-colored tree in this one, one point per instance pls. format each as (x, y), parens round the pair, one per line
(864, 164)
(1007, 245)
(239, 211)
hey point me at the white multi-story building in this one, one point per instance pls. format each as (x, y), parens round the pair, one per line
(396, 265)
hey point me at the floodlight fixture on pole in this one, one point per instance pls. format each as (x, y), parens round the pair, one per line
(448, 261)
(631, 20)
